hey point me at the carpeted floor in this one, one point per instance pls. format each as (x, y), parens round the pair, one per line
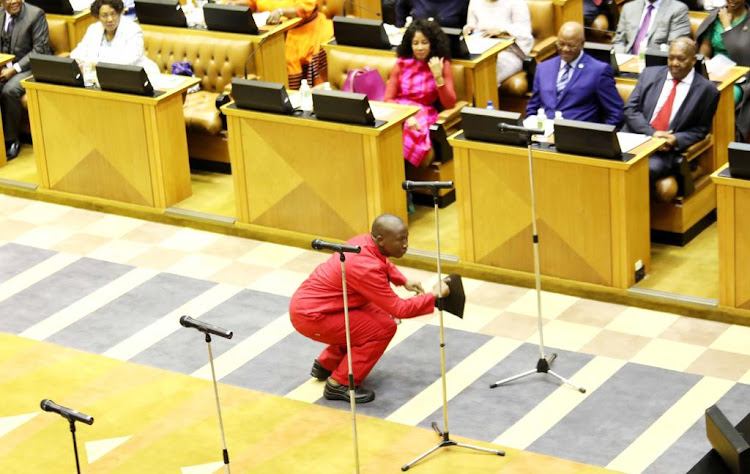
(117, 286)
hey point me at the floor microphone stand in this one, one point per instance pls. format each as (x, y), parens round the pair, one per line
(543, 364)
(75, 444)
(446, 441)
(224, 452)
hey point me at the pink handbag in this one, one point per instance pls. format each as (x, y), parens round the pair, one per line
(365, 81)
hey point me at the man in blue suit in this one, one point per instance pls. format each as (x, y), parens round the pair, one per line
(575, 84)
(674, 103)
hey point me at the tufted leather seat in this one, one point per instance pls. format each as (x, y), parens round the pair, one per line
(215, 62)
(513, 90)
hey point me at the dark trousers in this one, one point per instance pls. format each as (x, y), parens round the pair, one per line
(660, 165)
(10, 101)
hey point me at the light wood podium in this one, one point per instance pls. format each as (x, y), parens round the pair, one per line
(593, 214)
(322, 178)
(123, 147)
(733, 201)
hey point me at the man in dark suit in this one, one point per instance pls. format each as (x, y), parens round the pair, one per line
(575, 84)
(674, 103)
(24, 30)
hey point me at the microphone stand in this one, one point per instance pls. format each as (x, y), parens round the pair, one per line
(542, 365)
(75, 444)
(446, 441)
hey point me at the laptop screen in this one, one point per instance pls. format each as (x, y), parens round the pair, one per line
(262, 96)
(56, 70)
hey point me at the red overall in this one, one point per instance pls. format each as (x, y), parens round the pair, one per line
(317, 309)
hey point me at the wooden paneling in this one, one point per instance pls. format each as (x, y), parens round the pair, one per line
(733, 198)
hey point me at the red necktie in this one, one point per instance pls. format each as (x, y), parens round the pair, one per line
(661, 121)
(597, 2)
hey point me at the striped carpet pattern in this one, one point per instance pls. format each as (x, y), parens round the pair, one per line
(116, 287)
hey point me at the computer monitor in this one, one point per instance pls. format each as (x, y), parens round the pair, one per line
(604, 53)
(160, 12)
(587, 139)
(459, 49)
(261, 95)
(346, 107)
(360, 32)
(655, 57)
(57, 70)
(56, 7)
(732, 446)
(229, 18)
(121, 78)
(739, 160)
(481, 125)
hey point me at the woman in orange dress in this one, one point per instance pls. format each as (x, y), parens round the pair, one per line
(305, 59)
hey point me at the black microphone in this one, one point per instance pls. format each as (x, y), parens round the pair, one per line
(504, 127)
(65, 412)
(412, 185)
(318, 244)
(362, 7)
(189, 322)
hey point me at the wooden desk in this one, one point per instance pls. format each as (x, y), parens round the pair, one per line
(365, 9)
(77, 25)
(733, 201)
(723, 124)
(269, 60)
(593, 214)
(122, 147)
(322, 178)
(4, 59)
(479, 73)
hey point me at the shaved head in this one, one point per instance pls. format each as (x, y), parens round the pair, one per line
(572, 30)
(391, 235)
(570, 40)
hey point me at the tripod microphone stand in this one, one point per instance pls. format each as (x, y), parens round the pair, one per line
(318, 244)
(435, 187)
(543, 364)
(72, 416)
(209, 329)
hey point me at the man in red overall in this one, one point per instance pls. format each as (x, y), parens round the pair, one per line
(317, 307)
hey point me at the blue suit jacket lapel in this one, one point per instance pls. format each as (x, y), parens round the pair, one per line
(580, 67)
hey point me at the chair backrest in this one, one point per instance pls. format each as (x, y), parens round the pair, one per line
(625, 89)
(58, 36)
(542, 14)
(341, 62)
(215, 60)
(331, 8)
(696, 18)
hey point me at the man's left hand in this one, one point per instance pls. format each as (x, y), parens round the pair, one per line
(414, 286)
(671, 140)
(7, 73)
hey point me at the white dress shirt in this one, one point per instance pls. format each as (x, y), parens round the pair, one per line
(682, 89)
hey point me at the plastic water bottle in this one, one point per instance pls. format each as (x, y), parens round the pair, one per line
(327, 86)
(642, 55)
(306, 93)
(490, 106)
(541, 117)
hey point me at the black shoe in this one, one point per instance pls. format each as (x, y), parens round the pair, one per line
(12, 150)
(336, 391)
(684, 177)
(319, 372)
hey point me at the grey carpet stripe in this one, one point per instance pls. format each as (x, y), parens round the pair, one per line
(613, 416)
(185, 350)
(412, 366)
(482, 413)
(129, 313)
(15, 259)
(693, 445)
(57, 291)
(279, 369)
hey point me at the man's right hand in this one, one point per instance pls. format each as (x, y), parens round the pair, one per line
(436, 290)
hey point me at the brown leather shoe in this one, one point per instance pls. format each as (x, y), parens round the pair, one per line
(336, 391)
(319, 372)
(666, 189)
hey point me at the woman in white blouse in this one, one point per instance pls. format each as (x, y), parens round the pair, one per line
(113, 39)
(494, 18)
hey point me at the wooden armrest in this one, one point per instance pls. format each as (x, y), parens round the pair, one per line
(544, 48)
(697, 149)
(451, 117)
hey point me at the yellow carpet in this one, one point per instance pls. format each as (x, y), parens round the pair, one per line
(150, 420)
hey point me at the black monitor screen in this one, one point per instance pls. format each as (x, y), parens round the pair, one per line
(58, 7)
(459, 49)
(160, 12)
(56, 70)
(587, 139)
(261, 95)
(602, 52)
(360, 32)
(739, 160)
(732, 447)
(347, 107)
(482, 125)
(229, 18)
(122, 78)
